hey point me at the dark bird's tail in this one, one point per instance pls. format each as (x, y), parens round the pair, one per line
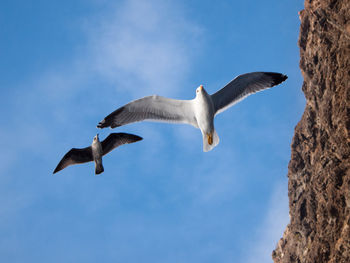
(99, 167)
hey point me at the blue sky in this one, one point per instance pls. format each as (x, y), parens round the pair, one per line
(67, 64)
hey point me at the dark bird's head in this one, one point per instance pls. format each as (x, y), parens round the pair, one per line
(96, 139)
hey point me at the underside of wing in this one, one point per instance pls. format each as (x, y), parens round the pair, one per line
(75, 156)
(116, 139)
(155, 108)
(243, 86)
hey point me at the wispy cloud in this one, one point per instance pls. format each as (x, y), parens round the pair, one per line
(271, 228)
(145, 47)
(136, 49)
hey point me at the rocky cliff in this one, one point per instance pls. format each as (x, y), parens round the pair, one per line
(319, 174)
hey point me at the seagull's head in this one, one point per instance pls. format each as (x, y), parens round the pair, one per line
(200, 90)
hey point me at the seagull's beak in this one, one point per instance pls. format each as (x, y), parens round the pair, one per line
(201, 87)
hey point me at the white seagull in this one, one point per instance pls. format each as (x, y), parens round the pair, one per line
(200, 111)
(96, 151)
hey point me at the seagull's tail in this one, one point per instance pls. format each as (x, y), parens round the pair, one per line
(210, 140)
(98, 167)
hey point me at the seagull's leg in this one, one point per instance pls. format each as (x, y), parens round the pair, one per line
(210, 138)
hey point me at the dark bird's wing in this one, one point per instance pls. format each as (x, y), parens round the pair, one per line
(116, 139)
(151, 108)
(75, 156)
(244, 85)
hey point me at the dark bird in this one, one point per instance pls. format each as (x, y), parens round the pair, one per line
(200, 111)
(96, 151)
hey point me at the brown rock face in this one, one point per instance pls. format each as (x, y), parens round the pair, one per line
(319, 174)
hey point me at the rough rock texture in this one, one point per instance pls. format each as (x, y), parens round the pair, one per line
(319, 174)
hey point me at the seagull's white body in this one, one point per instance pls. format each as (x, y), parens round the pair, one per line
(204, 112)
(200, 111)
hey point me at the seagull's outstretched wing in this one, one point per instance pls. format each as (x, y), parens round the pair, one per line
(155, 108)
(244, 85)
(116, 139)
(75, 156)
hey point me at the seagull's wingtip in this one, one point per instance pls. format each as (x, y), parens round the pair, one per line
(277, 78)
(134, 138)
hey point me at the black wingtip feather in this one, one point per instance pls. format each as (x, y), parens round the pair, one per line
(114, 126)
(137, 138)
(100, 125)
(109, 120)
(277, 78)
(133, 137)
(104, 124)
(283, 78)
(57, 169)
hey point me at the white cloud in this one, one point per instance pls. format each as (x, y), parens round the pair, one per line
(145, 47)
